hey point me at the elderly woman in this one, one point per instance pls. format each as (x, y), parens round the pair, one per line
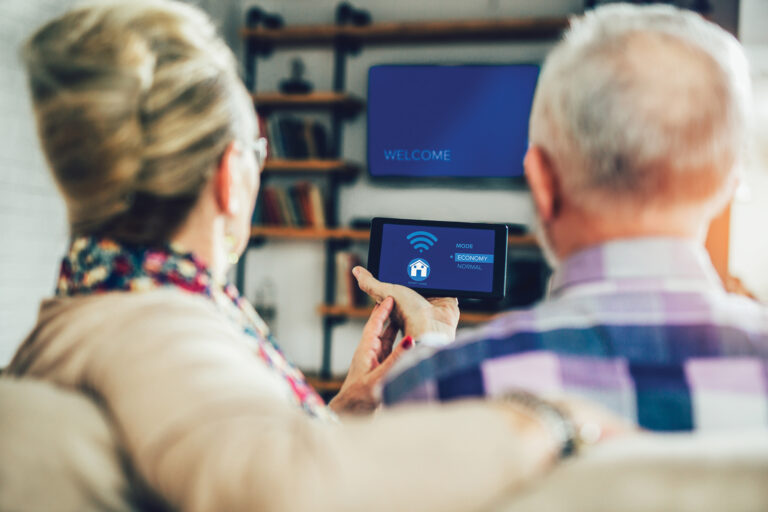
(149, 134)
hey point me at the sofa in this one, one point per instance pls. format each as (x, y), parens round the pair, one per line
(58, 453)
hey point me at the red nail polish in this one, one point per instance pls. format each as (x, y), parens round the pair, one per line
(407, 342)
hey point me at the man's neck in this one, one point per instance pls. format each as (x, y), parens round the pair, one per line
(580, 231)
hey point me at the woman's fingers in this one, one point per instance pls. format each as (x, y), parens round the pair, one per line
(376, 323)
(388, 339)
(370, 284)
(397, 352)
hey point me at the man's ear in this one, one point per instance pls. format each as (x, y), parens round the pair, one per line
(224, 182)
(543, 183)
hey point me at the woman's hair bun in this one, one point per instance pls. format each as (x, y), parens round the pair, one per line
(135, 102)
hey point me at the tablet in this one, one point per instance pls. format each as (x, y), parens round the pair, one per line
(447, 259)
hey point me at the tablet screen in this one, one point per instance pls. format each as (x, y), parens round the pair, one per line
(442, 257)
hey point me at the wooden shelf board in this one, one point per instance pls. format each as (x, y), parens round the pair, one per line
(466, 318)
(314, 100)
(523, 240)
(309, 166)
(288, 232)
(308, 233)
(324, 385)
(413, 32)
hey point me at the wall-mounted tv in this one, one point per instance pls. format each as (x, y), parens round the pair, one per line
(467, 121)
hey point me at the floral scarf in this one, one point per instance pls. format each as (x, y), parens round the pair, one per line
(96, 265)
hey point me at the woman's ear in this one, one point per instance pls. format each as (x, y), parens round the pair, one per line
(543, 183)
(224, 180)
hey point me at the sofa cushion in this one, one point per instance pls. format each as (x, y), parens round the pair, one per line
(57, 452)
(703, 472)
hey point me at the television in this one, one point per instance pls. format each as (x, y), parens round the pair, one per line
(439, 121)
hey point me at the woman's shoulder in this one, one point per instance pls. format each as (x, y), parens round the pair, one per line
(164, 305)
(76, 331)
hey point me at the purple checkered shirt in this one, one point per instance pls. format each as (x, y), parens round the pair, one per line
(642, 326)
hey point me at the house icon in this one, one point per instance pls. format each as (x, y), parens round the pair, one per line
(418, 269)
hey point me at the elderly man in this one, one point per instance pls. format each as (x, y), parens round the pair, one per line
(637, 129)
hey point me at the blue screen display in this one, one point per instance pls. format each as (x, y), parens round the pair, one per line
(437, 257)
(440, 121)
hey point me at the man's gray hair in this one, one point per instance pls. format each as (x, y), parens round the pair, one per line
(643, 106)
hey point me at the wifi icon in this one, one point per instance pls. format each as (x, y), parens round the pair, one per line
(421, 240)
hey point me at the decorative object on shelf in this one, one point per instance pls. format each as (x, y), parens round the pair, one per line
(347, 14)
(265, 303)
(257, 16)
(296, 84)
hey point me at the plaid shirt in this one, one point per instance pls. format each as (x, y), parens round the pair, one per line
(642, 326)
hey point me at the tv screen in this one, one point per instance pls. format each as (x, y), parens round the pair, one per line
(449, 121)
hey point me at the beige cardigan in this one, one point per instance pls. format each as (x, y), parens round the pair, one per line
(209, 427)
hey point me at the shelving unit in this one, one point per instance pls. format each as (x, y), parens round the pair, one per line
(346, 38)
(322, 100)
(290, 233)
(311, 167)
(348, 234)
(325, 385)
(344, 312)
(520, 29)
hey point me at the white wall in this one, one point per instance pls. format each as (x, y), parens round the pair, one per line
(297, 268)
(749, 247)
(32, 218)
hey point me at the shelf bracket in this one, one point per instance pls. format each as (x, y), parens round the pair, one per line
(349, 15)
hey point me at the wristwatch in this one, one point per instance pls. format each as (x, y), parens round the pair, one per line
(554, 418)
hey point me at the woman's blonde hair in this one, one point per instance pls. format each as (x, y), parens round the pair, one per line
(135, 104)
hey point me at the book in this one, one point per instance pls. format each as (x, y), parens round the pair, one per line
(292, 137)
(286, 210)
(275, 141)
(348, 293)
(317, 207)
(270, 210)
(342, 269)
(299, 205)
(292, 133)
(300, 196)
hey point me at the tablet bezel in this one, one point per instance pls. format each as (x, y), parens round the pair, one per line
(501, 243)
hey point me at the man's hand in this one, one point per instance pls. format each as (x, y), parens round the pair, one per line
(414, 313)
(372, 360)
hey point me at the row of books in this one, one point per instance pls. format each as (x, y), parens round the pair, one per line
(296, 138)
(348, 293)
(300, 205)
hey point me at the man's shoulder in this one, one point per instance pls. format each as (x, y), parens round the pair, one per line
(627, 312)
(635, 329)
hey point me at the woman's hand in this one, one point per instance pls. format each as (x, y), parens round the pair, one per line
(417, 315)
(371, 362)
